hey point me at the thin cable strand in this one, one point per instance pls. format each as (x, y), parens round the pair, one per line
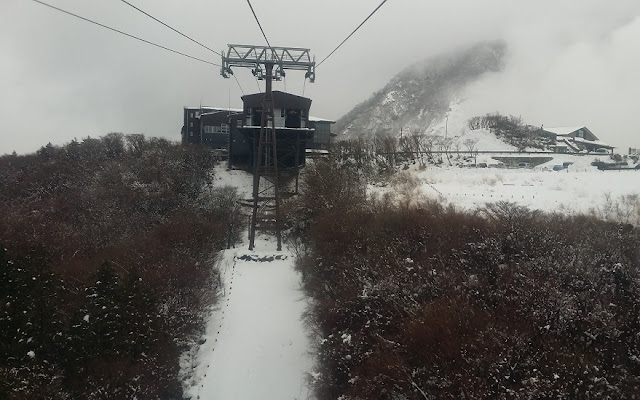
(126, 34)
(258, 84)
(239, 84)
(259, 25)
(351, 34)
(262, 30)
(170, 27)
(180, 33)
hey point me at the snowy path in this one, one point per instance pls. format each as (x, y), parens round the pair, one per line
(256, 346)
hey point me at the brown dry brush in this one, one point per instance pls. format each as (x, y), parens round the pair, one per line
(106, 266)
(427, 302)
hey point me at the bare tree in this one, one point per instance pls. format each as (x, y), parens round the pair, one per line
(413, 144)
(445, 146)
(456, 146)
(405, 145)
(419, 140)
(475, 123)
(471, 146)
(388, 146)
(136, 143)
(427, 143)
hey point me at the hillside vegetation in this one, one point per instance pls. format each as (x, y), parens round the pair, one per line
(106, 266)
(511, 130)
(414, 300)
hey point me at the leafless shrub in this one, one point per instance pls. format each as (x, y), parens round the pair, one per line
(625, 209)
(106, 265)
(430, 302)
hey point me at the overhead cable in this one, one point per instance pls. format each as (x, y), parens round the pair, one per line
(258, 84)
(351, 34)
(170, 27)
(262, 30)
(126, 34)
(180, 33)
(238, 82)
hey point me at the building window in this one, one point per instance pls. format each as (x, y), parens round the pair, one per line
(222, 128)
(191, 115)
(293, 119)
(283, 112)
(190, 133)
(190, 124)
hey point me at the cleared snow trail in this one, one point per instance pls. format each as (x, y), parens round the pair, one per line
(256, 344)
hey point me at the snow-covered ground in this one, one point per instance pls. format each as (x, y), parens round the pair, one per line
(240, 180)
(579, 188)
(255, 345)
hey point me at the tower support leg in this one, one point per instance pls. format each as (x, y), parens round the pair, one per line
(266, 165)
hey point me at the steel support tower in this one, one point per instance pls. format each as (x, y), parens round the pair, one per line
(268, 64)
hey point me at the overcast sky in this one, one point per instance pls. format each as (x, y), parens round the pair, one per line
(572, 62)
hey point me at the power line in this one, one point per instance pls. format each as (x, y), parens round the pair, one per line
(263, 35)
(239, 84)
(351, 34)
(126, 34)
(180, 33)
(262, 30)
(259, 25)
(168, 26)
(258, 84)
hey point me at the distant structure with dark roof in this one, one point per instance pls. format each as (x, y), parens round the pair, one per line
(576, 139)
(236, 130)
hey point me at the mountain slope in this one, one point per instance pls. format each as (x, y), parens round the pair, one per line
(422, 94)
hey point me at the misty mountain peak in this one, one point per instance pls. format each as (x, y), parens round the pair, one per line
(421, 94)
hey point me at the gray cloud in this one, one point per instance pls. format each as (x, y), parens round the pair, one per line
(557, 77)
(63, 78)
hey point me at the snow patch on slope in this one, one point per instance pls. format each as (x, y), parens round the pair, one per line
(455, 125)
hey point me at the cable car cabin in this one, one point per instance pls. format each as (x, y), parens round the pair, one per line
(293, 131)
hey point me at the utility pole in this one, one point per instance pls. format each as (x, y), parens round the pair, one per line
(268, 64)
(446, 127)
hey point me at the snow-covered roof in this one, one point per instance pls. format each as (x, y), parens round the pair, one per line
(593, 142)
(213, 110)
(316, 151)
(280, 128)
(316, 119)
(570, 145)
(563, 130)
(221, 111)
(209, 108)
